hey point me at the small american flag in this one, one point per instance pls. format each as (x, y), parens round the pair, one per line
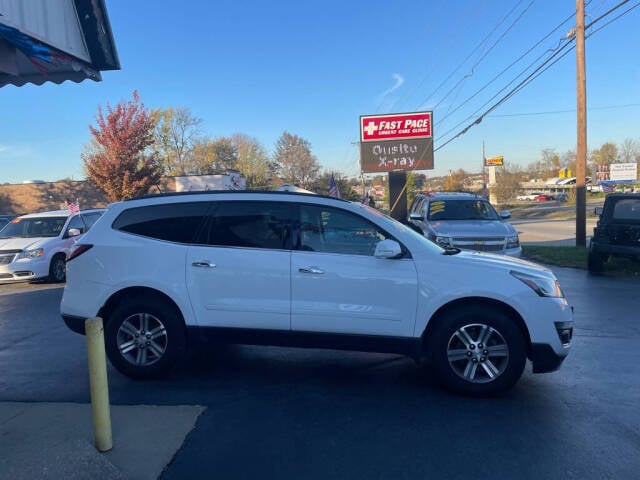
(333, 188)
(74, 207)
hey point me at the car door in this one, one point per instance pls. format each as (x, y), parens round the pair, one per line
(339, 286)
(238, 275)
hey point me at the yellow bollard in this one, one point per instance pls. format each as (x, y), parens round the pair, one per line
(99, 386)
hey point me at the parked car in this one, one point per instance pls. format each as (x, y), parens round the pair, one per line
(617, 232)
(528, 196)
(282, 268)
(35, 246)
(464, 220)
(543, 198)
(561, 197)
(4, 219)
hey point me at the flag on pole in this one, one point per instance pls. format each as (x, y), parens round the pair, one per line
(333, 188)
(74, 207)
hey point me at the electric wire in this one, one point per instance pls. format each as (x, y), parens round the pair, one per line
(538, 71)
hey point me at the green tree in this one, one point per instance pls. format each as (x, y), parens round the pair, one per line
(294, 162)
(119, 161)
(176, 133)
(253, 161)
(214, 156)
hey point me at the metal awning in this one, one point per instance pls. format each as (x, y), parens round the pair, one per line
(27, 58)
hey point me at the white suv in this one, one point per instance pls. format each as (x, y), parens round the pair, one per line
(35, 246)
(291, 269)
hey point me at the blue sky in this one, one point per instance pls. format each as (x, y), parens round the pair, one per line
(312, 68)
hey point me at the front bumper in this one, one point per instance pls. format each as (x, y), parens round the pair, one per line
(23, 271)
(74, 323)
(545, 359)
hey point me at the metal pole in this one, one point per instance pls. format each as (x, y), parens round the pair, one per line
(581, 151)
(99, 386)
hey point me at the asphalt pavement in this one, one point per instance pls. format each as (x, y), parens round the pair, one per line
(266, 412)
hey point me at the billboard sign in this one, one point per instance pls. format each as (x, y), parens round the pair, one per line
(398, 141)
(494, 161)
(623, 172)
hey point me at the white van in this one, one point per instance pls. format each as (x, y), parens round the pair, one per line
(35, 246)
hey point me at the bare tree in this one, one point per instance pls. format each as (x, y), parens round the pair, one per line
(629, 150)
(176, 132)
(294, 162)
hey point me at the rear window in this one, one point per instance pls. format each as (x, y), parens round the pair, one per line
(174, 222)
(627, 209)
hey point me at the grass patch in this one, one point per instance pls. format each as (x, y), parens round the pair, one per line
(576, 257)
(565, 256)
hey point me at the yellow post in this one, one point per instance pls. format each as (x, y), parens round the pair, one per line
(99, 386)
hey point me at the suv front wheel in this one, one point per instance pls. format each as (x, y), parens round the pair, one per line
(144, 337)
(477, 350)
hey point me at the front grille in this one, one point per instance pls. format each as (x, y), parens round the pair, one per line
(481, 244)
(8, 256)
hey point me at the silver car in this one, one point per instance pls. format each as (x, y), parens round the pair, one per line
(464, 220)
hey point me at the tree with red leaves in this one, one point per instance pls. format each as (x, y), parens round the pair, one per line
(119, 161)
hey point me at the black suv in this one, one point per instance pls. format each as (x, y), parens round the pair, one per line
(617, 232)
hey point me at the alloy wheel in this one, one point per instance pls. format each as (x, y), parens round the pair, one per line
(478, 353)
(142, 339)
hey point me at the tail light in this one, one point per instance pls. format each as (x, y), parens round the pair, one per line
(77, 250)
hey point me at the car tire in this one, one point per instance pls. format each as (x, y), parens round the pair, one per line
(477, 350)
(595, 262)
(58, 268)
(145, 337)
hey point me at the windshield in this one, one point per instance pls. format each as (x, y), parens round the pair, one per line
(33, 227)
(461, 210)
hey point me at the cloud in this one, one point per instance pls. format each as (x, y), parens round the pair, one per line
(399, 80)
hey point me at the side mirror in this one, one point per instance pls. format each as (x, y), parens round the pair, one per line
(387, 249)
(415, 216)
(504, 214)
(73, 232)
(598, 211)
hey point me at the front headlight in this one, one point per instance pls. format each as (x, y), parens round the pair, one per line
(35, 253)
(543, 286)
(513, 242)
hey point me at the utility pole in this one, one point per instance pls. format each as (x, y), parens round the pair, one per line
(581, 151)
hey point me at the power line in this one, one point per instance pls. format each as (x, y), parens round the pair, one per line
(534, 74)
(509, 67)
(484, 40)
(530, 114)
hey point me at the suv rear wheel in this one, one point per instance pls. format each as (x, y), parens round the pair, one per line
(144, 337)
(477, 350)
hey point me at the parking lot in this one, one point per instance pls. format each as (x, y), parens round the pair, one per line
(289, 413)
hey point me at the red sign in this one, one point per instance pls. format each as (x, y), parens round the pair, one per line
(395, 126)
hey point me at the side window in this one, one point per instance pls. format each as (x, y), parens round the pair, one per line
(173, 222)
(76, 222)
(249, 224)
(329, 230)
(91, 218)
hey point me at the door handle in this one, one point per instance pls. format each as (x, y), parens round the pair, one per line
(204, 264)
(315, 270)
